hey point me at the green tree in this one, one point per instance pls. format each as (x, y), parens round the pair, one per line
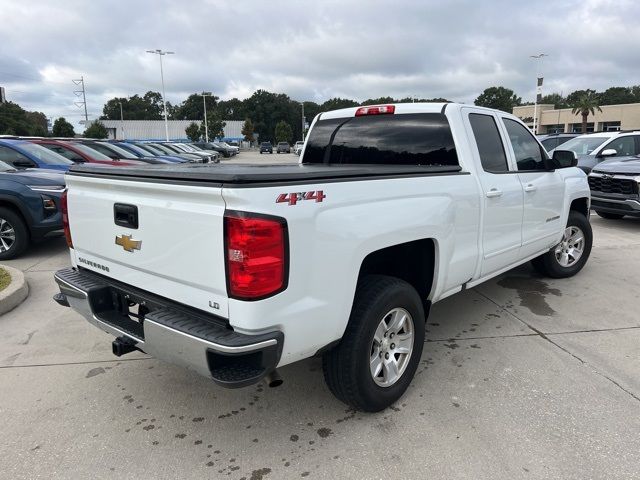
(575, 96)
(587, 104)
(215, 125)
(193, 132)
(265, 108)
(247, 130)
(62, 128)
(96, 130)
(14, 120)
(337, 103)
(193, 107)
(284, 133)
(147, 107)
(500, 98)
(233, 109)
(617, 96)
(555, 99)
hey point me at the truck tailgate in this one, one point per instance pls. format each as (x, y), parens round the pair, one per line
(180, 229)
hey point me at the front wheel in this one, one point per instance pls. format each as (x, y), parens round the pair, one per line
(372, 366)
(569, 256)
(14, 235)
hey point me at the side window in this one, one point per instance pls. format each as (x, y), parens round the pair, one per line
(550, 143)
(10, 156)
(489, 144)
(65, 153)
(528, 153)
(623, 146)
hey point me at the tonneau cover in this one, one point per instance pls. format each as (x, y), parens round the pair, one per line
(226, 173)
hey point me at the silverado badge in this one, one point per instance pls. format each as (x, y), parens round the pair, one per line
(129, 244)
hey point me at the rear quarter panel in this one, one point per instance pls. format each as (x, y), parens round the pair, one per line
(328, 241)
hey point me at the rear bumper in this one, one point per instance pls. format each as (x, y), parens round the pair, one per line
(616, 205)
(169, 331)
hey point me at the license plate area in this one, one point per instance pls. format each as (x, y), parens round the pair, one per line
(123, 310)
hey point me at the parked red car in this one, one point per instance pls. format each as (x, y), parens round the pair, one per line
(77, 152)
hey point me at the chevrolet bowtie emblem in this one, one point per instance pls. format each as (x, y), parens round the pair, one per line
(126, 242)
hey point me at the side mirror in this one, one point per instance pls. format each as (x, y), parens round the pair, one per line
(23, 164)
(564, 159)
(609, 152)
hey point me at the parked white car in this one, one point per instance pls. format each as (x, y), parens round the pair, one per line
(236, 270)
(297, 148)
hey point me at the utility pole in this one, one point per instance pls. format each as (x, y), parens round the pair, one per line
(539, 80)
(160, 54)
(302, 103)
(121, 120)
(206, 126)
(84, 99)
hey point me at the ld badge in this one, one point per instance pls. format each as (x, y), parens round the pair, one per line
(129, 244)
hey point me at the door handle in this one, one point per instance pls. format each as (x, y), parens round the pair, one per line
(530, 188)
(494, 192)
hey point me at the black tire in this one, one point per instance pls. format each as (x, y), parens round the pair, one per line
(610, 216)
(347, 366)
(21, 242)
(548, 265)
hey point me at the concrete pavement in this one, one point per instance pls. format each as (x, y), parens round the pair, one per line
(522, 377)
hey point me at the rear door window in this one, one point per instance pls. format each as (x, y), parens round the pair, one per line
(490, 147)
(396, 139)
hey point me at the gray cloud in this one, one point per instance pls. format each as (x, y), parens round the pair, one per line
(311, 50)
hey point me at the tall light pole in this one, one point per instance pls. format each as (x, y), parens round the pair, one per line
(121, 120)
(160, 54)
(206, 126)
(538, 58)
(302, 103)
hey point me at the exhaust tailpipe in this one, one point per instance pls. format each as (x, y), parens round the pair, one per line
(273, 379)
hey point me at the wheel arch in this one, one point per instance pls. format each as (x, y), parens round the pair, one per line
(580, 205)
(414, 262)
(19, 209)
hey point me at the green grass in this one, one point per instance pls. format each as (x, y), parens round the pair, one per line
(5, 279)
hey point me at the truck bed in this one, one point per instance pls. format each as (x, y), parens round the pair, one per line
(250, 174)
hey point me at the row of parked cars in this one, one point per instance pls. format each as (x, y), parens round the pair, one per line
(32, 177)
(612, 161)
(281, 147)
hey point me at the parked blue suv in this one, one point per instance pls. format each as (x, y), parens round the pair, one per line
(23, 154)
(30, 207)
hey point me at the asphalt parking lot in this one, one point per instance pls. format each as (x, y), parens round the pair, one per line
(522, 377)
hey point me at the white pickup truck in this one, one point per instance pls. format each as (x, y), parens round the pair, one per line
(235, 270)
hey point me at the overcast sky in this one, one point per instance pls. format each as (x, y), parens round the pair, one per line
(311, 50)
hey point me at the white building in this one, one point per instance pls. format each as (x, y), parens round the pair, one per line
(154, 129)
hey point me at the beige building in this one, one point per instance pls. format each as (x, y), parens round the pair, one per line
(611, 118)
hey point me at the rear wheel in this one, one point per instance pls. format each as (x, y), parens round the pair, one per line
(610, 216)
(372, 366)
(569, 256)
(14, 235)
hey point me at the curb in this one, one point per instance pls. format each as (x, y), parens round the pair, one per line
(15, 293)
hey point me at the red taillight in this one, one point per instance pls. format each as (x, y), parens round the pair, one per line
(65, 218)
(375, 110)
(256, 255)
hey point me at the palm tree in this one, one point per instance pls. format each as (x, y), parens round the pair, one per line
(585, 105)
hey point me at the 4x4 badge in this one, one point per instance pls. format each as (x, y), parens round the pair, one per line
(129, 244)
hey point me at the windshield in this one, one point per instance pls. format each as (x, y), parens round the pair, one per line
(134, 148)
(195, 148)
(44, 154)
(122, 153)
(584, 145)
(167, 149)
(96, 155)
(5, 167)
(148, 148)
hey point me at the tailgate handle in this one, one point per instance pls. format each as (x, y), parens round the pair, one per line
(125, 215)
